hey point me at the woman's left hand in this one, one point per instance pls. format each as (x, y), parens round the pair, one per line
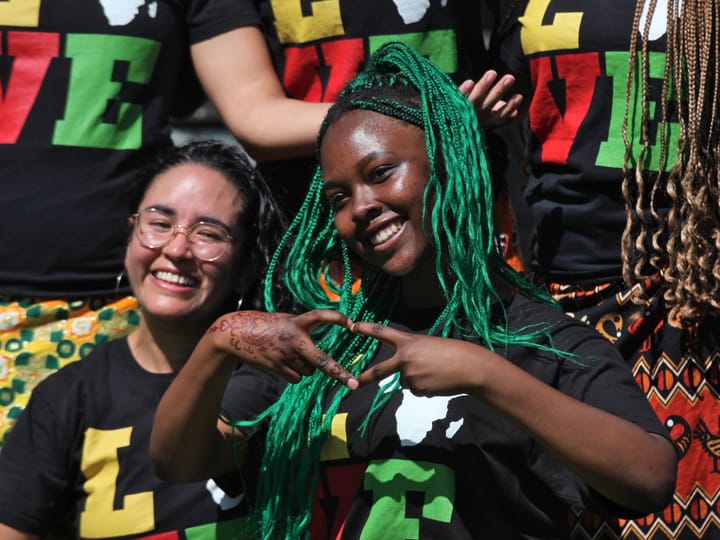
(428, 365)
(490, 97)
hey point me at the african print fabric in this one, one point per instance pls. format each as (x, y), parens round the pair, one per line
(679, 371)
(39, 337)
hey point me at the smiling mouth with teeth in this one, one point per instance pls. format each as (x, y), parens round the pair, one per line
(385, 234)
(175, 279)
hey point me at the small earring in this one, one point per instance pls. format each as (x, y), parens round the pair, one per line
(118, 280)
(239, 303)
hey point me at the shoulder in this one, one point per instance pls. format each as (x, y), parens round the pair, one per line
(525, 313)
(210, 18)
(40, 455)
(101, 362)
(104, 356)
(59, 403)
(567, 334)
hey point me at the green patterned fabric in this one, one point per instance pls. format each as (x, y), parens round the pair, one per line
(38, 337)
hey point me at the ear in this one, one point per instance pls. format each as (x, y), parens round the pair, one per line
(130, 228)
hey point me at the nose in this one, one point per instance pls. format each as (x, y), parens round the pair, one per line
(178, 246)
(365, 205)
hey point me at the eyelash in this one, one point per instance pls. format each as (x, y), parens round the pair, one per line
(381, 172)
(376, 176)
(334, 200)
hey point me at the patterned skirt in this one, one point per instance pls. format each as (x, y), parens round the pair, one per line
(679, 371)
(38, 337)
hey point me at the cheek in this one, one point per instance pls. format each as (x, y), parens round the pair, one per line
(343, 226)
(415, 198)
(137, 258)
(226, 277)
(131, 256)
(415, 205)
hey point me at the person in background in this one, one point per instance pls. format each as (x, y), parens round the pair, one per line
(445, 398)
(88, 90)
(623, 157)
(76, 463)
(314, 51)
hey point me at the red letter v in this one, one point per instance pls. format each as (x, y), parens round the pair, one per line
(32, 52)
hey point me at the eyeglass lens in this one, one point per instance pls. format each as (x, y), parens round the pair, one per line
(207, 241)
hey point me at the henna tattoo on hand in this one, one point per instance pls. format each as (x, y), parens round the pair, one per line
(322, 361)
(253, 333)
(218, 326)
(284, 335)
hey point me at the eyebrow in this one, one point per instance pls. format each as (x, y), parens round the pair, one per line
(205, 219)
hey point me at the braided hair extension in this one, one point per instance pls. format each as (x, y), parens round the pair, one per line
(684, 247)
(400, 83)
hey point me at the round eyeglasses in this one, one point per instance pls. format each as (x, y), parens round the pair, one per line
(207, 241)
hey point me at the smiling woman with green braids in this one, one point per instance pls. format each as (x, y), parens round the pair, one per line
(446, 398)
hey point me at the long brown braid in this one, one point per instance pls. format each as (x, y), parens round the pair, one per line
(684, 246)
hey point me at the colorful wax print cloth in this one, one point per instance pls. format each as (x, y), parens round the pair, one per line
(679, 371)
(38, 338)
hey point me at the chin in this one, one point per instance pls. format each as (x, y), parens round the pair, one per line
(394, 271)
(169, 310)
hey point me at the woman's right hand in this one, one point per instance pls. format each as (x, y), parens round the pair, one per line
(280, 343)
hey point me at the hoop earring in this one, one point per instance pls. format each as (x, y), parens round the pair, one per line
(239, 303)
(118, 280)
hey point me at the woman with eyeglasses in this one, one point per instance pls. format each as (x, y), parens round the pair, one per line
(77, 460)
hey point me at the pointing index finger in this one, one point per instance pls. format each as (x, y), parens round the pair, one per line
(380, 332)
(330, 367)
(316, 317)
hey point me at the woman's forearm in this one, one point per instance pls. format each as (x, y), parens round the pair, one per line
(186, 444)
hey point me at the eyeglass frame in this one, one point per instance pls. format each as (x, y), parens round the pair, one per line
(229, 238)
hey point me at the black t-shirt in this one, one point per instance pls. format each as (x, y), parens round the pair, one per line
(78, 458)
(88, 88)
(451, 467)
(317, 47)
(572, 59)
